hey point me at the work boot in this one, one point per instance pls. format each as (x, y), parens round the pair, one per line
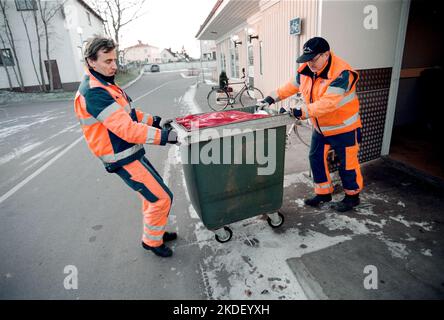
(161, 251)
(169, 236)
(318, 199)
(347, 203)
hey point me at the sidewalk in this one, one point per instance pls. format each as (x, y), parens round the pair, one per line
(12, 98)
(392, 243)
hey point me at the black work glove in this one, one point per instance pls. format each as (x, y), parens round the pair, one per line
(172, 137)
(156, 122)
(166, 124)
(168, 136)
(297, 113)
(264, 103)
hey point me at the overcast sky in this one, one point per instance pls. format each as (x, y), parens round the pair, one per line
(169, 23)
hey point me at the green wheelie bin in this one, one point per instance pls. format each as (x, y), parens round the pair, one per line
(235, 171)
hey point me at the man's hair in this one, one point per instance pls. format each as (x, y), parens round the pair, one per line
(95, 44)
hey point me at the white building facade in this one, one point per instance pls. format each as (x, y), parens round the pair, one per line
(208, 50)
(143, 53)
(168, 56)
(70, 27)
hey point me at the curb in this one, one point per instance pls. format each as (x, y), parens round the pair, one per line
(133, 81)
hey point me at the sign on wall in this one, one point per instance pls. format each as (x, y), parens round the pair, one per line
(295, 26)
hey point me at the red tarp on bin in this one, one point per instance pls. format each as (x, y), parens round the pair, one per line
(213, 119)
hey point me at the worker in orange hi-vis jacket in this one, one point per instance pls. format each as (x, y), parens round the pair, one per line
(115, 133)
(328, 86)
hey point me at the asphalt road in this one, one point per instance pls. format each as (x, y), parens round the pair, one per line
(64, 218)
(59, 208)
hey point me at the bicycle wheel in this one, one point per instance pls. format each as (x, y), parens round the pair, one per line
(218, 99)
(250, 96)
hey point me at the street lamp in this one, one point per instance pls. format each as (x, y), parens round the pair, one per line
(251, 31)
(80, 32)
(235, 39)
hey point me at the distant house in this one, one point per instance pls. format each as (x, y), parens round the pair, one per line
(168, 56)
(143, 53)
(69, 29)
(208, 49)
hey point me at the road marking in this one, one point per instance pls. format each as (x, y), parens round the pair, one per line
(46, 165)
(155, 89)
(37, 172)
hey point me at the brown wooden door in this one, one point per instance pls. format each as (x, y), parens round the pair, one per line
(55, 74)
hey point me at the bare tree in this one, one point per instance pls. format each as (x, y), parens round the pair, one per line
(47, 12)
(10, 38)
(118, 14)
(39, 48)
(2, 41)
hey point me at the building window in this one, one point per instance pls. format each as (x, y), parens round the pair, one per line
(6, 57)
(234, 62)
(80, 53)
(250, 55)
(260, 58)
(89, 17)
(223, 63)
(23, 5)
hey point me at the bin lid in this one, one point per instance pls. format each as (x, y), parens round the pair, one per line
(212, 119)
(259, 122)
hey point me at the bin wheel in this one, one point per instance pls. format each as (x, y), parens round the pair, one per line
(276, 225)
(228, 238)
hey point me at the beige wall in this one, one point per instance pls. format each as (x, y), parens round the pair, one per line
(343, 26)
(341, 22)
(143, 54)
(279, 48)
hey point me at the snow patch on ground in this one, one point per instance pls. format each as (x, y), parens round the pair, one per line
(294, 178)
(18, 152)
(336, 221)
(188, 100)
(41, 156)
(7, 97)
(210, 82)
(9, 131)
(425, 225)
(187, 77)
(252, 265)
(398, 250)
(299, 202)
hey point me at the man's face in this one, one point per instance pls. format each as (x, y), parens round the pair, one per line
(318, 62)
(106, 63)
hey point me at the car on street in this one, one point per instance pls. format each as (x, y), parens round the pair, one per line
(154, 68)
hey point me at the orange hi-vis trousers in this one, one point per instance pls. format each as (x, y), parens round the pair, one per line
(346, 146)
(141, 176)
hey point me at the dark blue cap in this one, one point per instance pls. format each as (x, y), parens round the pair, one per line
(312, 48)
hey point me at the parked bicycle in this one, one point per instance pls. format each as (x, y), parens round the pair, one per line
(332, 159)
(220, 97)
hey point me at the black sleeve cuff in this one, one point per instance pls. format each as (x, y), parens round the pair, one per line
(156, 122)
(164, 137)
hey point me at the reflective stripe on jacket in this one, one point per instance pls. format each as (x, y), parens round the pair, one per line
(331, 100)
(113, 130)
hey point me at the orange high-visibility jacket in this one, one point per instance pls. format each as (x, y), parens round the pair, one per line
(113, 130)
(331, 101)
